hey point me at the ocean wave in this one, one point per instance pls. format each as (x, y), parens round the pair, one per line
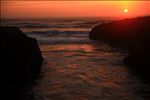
(55, 42)
(57, 32)
(39, 25)
(50, 24)
(60, 37)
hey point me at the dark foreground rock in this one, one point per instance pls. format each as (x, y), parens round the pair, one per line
(21, 60)
(133, 34)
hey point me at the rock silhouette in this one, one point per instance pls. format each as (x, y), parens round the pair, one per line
(127, 32)
(21, 60)
(133, 34)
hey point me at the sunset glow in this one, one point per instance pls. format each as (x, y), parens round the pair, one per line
(46, 9)
(126, 10)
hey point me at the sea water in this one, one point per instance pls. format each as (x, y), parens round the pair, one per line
(77, 68)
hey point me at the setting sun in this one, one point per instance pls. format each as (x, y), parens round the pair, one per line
(46, 9)
(125, 10)
(75, 49)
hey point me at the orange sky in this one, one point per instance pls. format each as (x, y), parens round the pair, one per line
(47, 9)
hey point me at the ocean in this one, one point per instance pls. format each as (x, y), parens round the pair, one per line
(77, 68)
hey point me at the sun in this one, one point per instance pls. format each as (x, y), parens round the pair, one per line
(125, 10)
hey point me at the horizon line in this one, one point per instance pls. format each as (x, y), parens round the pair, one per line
(74, 0)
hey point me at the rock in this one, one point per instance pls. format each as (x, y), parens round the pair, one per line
(21, 58)
(132, 34)
(123, 33)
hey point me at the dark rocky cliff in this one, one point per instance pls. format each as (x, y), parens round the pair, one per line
(132, 34)
(127, 32)
(21, 60)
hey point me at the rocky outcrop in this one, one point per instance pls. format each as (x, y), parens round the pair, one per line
(21, 59)
(123, 33)
(133, 34)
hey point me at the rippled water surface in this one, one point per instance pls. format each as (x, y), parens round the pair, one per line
(93, 71)
(76, 68)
